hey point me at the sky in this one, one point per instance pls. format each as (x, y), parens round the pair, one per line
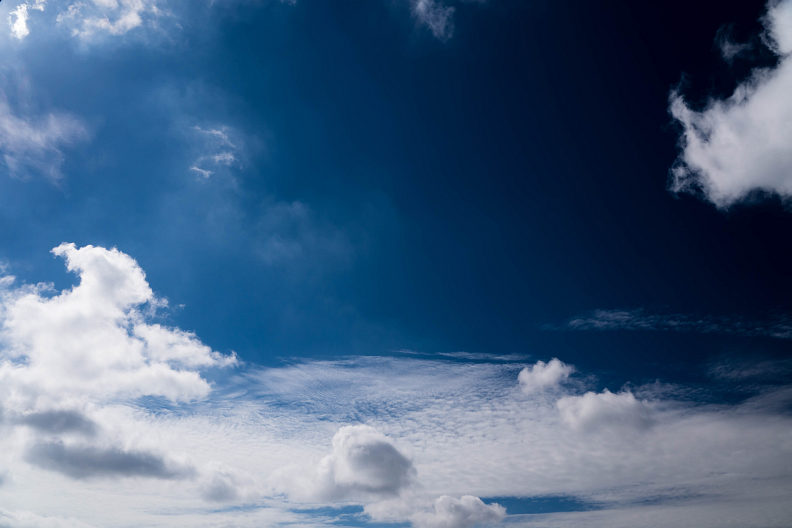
(395, 263)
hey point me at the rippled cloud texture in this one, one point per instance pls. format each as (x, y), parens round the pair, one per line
(100, 404)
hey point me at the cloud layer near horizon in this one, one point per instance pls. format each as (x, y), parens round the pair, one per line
(408, 439)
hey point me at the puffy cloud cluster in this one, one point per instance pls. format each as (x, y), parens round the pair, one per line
(543, 376)
(93, 342)
(67, 358)
(364, 461)
(741, 144)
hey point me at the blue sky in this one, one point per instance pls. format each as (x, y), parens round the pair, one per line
(425, 263)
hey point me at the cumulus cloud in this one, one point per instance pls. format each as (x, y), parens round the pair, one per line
(464, 512)
(363, 463)
(741, 144)
(92, 341)
(33, 145)
(605, 410)
(86, 461)
(436, 16)
(542, 376)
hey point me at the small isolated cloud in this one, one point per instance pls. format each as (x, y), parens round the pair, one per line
(220, 148)
(604, 410)
(740, 145)
(363, 462)
(82, 461)
(18, 17)
(436, 16)
(32, 145)
(543, 376)
(464, 512)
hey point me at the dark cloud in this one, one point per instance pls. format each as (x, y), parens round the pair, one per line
(82, 462)
(58, 422)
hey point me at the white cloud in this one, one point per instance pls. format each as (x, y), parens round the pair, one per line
(33, 144)
(18, 17)
(741, 144)
(605, 410)
(93, 341)
(543, 376)
(220, 146)
(90, 18)
(464, 512)
(73, 364)
(363, 463)
(436, 16)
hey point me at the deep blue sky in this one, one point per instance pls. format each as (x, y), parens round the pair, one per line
(458, 195)
(428, 263)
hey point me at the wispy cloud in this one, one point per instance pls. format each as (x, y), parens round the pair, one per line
(740, 145)
(435, 16)
(220, 146)
(779, 327)
(32, 145)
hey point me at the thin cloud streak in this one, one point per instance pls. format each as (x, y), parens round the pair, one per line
(779, 327)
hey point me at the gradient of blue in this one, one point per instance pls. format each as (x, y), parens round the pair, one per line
(479, 189)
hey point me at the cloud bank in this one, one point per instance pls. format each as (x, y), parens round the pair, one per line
(101, 405)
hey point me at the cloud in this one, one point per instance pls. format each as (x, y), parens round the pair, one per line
(778, 327)
(464, 512)
(363, 463)
(92, 342)
(730, 49)
(18, 17)
(88, 19)
(740, 145)
(436, 16)
(32, 145)
(58, 422)
(221, 147)
(542, 376)
(263, 445)
(604, 410)
(80, 462)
